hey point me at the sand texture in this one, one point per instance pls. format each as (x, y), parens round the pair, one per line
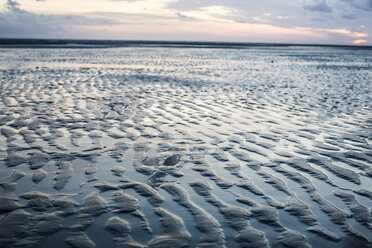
(186, 147)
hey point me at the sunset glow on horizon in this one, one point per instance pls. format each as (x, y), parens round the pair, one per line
(359, 41)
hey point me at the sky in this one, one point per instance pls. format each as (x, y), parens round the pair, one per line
(268, 21)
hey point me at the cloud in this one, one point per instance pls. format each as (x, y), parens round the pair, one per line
(342, 31)
(219, 20)
(18, 23)
(349, 16)
(365, 5)
(319, 6)
(185, 17)
(12, 5)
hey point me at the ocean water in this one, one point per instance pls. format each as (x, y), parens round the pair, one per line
(255, 146)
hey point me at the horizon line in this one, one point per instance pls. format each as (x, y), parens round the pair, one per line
(58, 42)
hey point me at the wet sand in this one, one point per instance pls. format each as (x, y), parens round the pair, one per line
(186, 147)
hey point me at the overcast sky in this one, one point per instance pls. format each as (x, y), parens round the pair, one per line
(282, 21)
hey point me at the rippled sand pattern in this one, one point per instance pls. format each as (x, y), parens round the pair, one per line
(172, 147)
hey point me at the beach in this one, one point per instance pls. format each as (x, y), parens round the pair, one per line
(186, 146)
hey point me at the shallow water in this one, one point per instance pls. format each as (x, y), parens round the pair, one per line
(258, 147)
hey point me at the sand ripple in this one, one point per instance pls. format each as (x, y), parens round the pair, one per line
(176, 147)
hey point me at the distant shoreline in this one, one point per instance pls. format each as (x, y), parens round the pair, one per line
(74, 43)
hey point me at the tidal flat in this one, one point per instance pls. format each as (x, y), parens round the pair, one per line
(258, 146)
